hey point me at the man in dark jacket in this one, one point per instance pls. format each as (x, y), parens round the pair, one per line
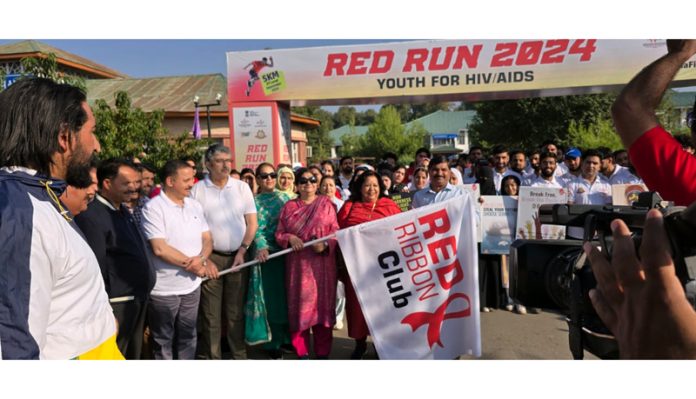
(120, 248)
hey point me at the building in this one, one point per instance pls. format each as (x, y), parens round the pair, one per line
(448, 131)
(172, 94)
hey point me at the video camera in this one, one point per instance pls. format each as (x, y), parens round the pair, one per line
(556, 273)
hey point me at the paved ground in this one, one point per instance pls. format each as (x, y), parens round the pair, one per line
(505, 336)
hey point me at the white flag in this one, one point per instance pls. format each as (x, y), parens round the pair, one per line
(416, 278)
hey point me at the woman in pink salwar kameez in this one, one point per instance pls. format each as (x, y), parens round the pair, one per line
(310, 272)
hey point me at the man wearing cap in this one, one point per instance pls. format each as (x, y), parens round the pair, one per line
(572, 163)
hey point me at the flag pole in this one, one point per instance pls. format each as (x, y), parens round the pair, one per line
(273, 255)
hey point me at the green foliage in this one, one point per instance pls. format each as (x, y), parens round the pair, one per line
(526, 123)
(125, 131)
(594, 135)
(48, 68)
(410, 112)
(318, 137)
(351, 144)
(387, 134)
(365, 118)
(345, 116)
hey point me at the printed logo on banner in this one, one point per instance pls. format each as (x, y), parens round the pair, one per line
(424, 263)
(273, 82)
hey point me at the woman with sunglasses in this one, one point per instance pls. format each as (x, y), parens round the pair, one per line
(266, 307)
(367, 202)
(310, 272)
(286, 181)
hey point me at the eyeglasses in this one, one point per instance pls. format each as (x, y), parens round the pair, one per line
(264, 176)
(305, 180)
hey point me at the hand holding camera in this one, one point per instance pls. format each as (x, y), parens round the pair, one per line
(641, 300)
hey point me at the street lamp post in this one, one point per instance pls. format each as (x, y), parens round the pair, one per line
(207, 108)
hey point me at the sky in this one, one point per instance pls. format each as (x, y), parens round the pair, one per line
(172, 57)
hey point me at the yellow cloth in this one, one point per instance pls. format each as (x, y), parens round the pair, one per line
(108, 350)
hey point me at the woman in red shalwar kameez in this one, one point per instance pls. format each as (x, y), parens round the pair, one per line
(310, 272)
(367, 202)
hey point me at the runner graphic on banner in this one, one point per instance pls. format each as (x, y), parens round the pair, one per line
(416, 278)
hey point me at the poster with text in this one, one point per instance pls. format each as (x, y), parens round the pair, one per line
(415, 275)
(253, 136)
(528, 225)
(498, 219)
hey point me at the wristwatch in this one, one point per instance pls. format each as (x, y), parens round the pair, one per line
(245, 246)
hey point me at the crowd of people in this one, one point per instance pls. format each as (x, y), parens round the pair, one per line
(96, 257)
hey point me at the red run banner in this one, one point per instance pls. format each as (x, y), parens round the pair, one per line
(416, 277)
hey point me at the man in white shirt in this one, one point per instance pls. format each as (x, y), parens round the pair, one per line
(547, 169)
(181, 241)
(230, 211)
(572, 162)
(500, 164)
(590, 188)
(615, 173)
(552, 147)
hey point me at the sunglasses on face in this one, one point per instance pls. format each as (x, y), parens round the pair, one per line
(305, 180)
(264, 176)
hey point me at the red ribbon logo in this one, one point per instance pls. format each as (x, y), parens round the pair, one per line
(434, 320)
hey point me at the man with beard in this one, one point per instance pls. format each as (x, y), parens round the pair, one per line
(345, 175)
(552, 147)
(614, 173)
(547, 170)
(500, 164)
(621, 158)
(590, 188)
(572, 162)
(52, 303)
(533, 164)
(120, 247)
(518, 164)
(440, 188)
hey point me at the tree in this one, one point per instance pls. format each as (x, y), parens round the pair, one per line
(345, 116)
(387, 134)
(47, 67)
(125, 131)
(410, 112)
(318, 137)
(594, 135)
(526, 123)
(365, 118)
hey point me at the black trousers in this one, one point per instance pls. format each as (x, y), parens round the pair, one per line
(491, 292)
(131, 326)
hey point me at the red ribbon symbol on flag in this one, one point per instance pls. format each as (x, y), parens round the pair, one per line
(434, 320)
